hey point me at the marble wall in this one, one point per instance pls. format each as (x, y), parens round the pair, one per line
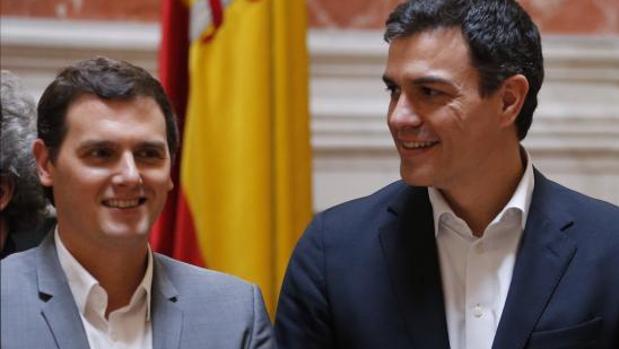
(573, 139)
(105, 10)
(553, 16)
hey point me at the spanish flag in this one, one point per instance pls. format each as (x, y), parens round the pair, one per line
(244, 189)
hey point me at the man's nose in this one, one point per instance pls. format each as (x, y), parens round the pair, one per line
(404, 114)
(128, 172)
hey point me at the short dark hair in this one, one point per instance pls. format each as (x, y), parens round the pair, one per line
(501, 37)
(108, 79)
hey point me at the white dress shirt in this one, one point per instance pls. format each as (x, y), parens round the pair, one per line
(126, 328)
(477, 272)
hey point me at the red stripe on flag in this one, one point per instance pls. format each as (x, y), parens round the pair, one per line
(217, 14)
(174, 54)
(186, 246)
(174, 76)
(171, 234)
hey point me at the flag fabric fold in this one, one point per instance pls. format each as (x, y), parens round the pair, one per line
(244, 191)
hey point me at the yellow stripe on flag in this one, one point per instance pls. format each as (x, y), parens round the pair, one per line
(246, 152)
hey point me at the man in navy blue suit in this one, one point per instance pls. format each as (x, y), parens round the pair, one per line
(474, 248)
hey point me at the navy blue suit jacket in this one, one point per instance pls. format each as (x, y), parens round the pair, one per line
(365, 274)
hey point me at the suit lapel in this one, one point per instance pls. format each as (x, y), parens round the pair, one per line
(59, 309)
(167, 318)
(544, 255)
(409, 247)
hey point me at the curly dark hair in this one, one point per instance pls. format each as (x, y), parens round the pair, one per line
(501, 37)
(28, 206)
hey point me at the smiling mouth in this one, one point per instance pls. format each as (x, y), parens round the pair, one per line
(124, 204)
(418, 145)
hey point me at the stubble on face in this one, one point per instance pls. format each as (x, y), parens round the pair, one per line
(432, 77)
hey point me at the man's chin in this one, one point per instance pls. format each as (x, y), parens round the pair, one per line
(416, 177)
(135, 230)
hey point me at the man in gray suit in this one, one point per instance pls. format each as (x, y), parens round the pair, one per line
(107, 137)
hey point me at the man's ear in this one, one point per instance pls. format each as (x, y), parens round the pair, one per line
(44, 163)
(513, 94)
(7, 188)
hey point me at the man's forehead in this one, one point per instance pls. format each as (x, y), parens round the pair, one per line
(90, 107)
(443, 40)
(91, 117)
(94, 101)
(441, 52)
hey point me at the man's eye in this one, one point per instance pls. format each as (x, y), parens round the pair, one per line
(430, 92)
(100, 153)
(393, 90)
(150, 154)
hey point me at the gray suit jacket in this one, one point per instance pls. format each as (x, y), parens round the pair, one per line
(191, 307)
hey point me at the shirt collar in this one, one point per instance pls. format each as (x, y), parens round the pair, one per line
(520, 200)
(147, 283)
(81, 281)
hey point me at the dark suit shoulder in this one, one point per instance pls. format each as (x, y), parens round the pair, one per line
(356, 216)
(586, 211)
(591, 224)
(338, 269)
(380, 199)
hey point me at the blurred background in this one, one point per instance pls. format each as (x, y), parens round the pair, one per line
(574, 138)
(575, 133)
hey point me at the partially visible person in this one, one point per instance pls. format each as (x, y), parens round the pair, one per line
(24, 218)
(107, 139)
(474, 248)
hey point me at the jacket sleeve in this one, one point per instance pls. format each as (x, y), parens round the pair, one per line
(303, 318)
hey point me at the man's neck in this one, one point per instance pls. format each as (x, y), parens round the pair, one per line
(478, 200)
(118, 269)
(121, 278)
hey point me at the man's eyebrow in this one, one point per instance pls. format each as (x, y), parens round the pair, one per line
(95, 143)
(432, 79)
(153, 144)
(161, 148)
(102, 143)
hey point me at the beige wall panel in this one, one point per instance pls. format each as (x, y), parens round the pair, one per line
(553, 16)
